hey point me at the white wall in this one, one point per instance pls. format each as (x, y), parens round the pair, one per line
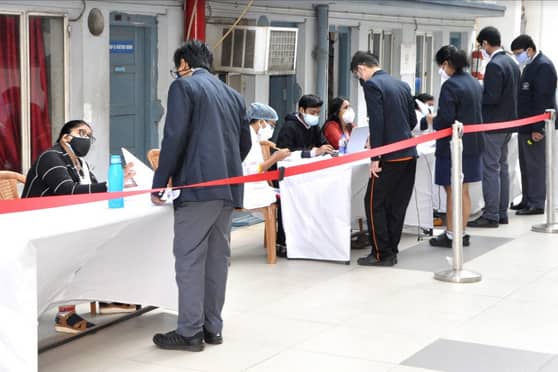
(541, 19)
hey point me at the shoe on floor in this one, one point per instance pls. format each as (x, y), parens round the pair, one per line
(516, 207)
(444, 241)
(71, 323)
(503, 221)
(281, 250)
(529, 211)
(371, 260)
(212, 338)
(173, 341)
(116, 308)
(482, 222)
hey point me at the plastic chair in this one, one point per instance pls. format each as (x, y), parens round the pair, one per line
(8, 184)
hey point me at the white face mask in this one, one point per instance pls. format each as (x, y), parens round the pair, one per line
(349, 116)
(485, 54)
(443, 75)
(265, 133)
(311, 120)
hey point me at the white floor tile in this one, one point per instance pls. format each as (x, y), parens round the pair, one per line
(379, 346)
(304, 361)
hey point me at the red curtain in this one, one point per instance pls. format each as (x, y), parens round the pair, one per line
(10, 103)
(10, 93)
(41, 132)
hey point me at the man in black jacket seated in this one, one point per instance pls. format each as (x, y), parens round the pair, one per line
(301, 132)
(537, 89)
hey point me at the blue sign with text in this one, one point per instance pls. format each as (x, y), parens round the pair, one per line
(122, 46)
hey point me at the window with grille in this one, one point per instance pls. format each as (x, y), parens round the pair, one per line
(282, 50)
(380, 43)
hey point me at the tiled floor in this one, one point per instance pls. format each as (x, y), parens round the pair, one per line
(315, 316)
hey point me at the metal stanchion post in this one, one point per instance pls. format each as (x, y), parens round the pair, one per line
(550, 226)
(457, 274)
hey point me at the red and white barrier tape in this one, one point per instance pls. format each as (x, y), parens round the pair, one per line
(21, 205)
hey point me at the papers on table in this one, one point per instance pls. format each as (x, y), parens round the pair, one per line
(144, 174)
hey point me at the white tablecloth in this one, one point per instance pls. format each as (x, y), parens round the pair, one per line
(319, 208)
(84, 252)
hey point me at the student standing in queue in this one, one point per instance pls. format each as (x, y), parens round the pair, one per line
(537, 93)
(391, 111)
(461, 100)
(499, 103)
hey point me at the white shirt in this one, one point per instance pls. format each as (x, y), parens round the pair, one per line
(256, 194)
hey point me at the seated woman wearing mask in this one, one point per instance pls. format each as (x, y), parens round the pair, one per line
(339, 123)
(260, 194)
(61, 170)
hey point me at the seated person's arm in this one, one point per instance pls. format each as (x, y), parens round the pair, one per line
(332, 133)
(54, 172)
(276, 156)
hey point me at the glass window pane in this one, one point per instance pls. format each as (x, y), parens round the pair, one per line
(428, 64)
(10, 94)
(419, 85)
(386, 58)
(376, 45)
(46, 81)
(456, 39)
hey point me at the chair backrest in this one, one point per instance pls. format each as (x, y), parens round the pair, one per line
(153, 158)
(266, 149)
(8, 184)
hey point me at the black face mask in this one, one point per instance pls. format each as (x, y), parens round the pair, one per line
(80, 145)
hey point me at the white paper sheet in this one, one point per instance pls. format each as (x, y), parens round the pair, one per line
(144, 174)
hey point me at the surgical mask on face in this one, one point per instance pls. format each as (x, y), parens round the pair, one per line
(443, 75)
(311, 120)
(485, 54)
(80, 145)
(349, 116)
(522, 58)
(265, 133)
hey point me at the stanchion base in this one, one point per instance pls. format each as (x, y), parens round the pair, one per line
(458, 276)
(546, 228)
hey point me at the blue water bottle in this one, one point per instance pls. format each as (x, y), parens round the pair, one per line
(342, 145)
(115, 180)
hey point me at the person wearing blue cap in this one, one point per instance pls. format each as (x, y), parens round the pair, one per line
(260, 194)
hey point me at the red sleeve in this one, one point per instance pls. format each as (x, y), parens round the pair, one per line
(332, 133)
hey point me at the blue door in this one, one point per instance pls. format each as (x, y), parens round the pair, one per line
(133, 102)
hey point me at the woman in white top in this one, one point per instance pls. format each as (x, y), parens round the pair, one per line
(260, 194)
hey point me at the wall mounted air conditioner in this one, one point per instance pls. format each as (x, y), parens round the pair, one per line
(256, 50)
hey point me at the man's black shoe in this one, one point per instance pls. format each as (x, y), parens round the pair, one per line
(516, 207)
(442, 240)
(503, 221)
(371, 260)
(212, 338)
(529, 211)
(482, 222)
(281, 250)
(174, 341)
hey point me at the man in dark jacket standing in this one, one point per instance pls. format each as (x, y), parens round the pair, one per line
(206, 137)
(391, 113)
(499, 103)
(537, 93)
